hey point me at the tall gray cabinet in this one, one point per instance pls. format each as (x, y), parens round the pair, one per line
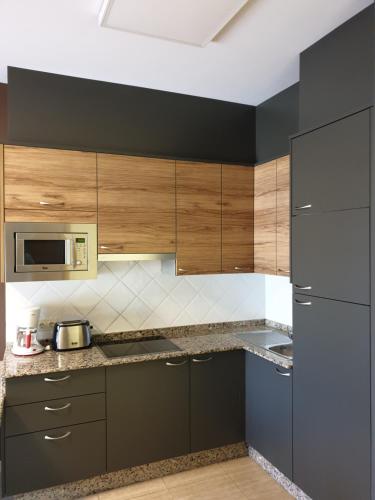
(331, 310)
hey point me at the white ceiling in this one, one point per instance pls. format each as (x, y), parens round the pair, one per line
(253, 58)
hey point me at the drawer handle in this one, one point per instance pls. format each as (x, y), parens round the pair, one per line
(301, 303)
(196, 360)
(68, 405)
(181, 270)
(57, 438)
(303, 207)
(46, 203)
(168, 363)
(57, 379)
(237, 268)
(308, 287)
(283, 374)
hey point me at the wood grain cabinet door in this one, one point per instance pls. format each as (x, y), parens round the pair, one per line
(47, 185)
(283, 216)
(265, 218)
(136, 205)
(198, 195)
(237, 219)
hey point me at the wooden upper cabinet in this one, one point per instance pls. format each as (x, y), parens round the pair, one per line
(237, 219)
(136, 205)
(265, 218)
(283, 216)
(47, 185)
(198, 195)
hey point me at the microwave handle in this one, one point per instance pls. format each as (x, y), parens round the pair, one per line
(69, 257)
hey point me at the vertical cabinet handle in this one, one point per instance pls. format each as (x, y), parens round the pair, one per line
(57, 438)
(204, 360)
(302, 303)
(283, 374)
(46, 379)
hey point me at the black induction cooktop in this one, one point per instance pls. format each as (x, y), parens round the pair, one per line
(136, 346)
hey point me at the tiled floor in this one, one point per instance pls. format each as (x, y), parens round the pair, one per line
(240, 479)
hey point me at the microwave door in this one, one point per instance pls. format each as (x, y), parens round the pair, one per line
(43, 252)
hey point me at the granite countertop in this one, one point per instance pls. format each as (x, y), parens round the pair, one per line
(204, 339)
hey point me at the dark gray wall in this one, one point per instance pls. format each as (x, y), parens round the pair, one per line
(276, 120)
(3, 112)
(336, 73)
(61, 111)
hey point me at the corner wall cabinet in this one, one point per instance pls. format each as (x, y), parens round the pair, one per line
(237, 219)
(271, 217)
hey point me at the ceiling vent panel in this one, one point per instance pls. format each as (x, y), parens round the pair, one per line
(194, 22)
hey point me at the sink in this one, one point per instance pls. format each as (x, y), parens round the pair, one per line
(285, 350)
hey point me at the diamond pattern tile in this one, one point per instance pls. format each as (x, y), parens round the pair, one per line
(141, 295)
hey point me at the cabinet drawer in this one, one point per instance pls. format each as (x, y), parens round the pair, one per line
(33, 417)
(21, 390)
(36, 461)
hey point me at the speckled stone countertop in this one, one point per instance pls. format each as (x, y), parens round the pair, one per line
(191, 340)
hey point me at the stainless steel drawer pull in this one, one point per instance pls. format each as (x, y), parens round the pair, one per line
(237, 268)
(308, 287)
(65, 407)
(301, 303)
(197, 360)
(303, 207)
(182, 270)
(46, 203)
(168, 363)
(57, 379)
(57, 438)
(283, 374)
(103, 247)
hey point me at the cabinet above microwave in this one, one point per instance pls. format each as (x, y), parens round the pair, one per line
(47, 252)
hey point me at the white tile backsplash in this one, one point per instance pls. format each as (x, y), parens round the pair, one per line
(136, 295)
(279, 299)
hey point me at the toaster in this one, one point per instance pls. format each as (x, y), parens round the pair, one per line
(71, 335)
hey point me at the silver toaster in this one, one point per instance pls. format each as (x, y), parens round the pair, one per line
(71, 335)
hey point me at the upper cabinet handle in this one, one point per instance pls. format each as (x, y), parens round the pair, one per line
(57, 379)
(168, 363)
(103, 247)
(65, 407)
(236, 268)
(301, 303)
(303, 207)
(300, 287)
(57, 438)
(197, 360)
(182, 270)
(283, 374)
(57, 204)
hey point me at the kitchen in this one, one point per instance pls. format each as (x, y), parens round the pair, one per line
(186, 285)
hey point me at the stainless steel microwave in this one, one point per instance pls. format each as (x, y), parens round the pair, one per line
(48, 252)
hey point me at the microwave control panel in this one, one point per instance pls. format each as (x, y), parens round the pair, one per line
(80, 252)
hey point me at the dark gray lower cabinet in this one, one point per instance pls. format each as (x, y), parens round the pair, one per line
(147, 412)
(269, 411)
(331, 399)
(43, 459)
(217, 399)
